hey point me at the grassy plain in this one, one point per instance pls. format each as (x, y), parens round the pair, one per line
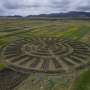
(78, 30)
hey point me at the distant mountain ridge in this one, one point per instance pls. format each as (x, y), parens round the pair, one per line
(72, 14)
(68, 14)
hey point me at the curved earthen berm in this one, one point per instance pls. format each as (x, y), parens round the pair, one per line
(49, 55)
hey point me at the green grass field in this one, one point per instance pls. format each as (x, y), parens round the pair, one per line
(11, 30)
(83, 83)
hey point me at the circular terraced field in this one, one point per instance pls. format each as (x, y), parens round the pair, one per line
(49, 55)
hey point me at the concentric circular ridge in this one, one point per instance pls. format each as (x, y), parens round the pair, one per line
(49, 55)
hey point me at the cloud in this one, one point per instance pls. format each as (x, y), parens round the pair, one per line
(26, 7)
(85, 6)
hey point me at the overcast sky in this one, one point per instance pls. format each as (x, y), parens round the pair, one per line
(29, 7)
